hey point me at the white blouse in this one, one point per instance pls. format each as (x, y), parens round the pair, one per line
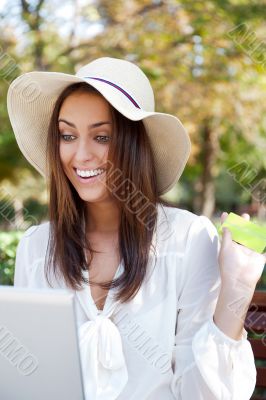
(163, 344)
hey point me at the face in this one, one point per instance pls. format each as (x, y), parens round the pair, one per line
(85, 127)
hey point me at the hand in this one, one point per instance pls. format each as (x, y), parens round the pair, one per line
(237, 262)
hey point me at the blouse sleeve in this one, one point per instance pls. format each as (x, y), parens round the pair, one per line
(22, 263)
(208, 364)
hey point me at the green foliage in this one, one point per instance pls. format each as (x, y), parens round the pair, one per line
(8, 246)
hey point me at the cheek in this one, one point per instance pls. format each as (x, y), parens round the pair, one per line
(65, 153)
(104, 153)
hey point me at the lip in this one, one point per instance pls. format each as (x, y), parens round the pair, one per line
(87, 169)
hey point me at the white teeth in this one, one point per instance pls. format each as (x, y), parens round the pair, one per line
(92, 172)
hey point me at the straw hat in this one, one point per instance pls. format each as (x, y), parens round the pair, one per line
(31, 98)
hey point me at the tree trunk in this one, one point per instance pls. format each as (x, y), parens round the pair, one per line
(18, 210)
(31, 15)
(261, 213)
(209, 155)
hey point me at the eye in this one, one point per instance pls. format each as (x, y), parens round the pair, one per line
(67, 138)
(103, 139)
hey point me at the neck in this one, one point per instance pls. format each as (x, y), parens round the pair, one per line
(102, 217)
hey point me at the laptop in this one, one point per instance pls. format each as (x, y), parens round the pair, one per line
(39, 352)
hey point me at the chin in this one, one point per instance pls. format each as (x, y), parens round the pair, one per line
(92, 196)
(94, 193)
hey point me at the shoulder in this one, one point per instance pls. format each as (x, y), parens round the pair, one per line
(181, 215)
(34, 241)
(30, 253)
(183, 226)
(174, 214)
(37, 232)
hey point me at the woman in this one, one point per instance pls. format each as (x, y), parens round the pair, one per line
(154, 290)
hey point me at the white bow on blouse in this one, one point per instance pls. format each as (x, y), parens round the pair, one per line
(103, 364)
(104, 367)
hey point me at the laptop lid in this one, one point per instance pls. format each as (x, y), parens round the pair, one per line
(39, 352)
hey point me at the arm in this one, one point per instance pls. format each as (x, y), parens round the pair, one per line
(22, 263)
(208, 364)
(241, 269)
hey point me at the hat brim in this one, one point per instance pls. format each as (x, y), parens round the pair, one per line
(30, 101)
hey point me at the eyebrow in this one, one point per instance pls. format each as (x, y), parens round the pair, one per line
(95, 125)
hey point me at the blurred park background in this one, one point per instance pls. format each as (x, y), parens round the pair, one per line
(206, 61)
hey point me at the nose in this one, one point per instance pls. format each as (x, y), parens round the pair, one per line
(89, 153)
(84, 151)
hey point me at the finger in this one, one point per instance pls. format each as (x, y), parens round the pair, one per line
(226, 238)
(246, 216)
(223, 217)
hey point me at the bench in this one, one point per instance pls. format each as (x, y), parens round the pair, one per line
(255, 324)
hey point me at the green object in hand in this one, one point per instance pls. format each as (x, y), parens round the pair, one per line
(245, 232)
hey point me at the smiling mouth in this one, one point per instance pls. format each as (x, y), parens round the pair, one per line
(87, 176)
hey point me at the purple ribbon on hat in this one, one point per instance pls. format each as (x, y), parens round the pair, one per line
(117, 87)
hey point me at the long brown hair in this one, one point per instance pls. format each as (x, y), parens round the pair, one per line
(130, 154)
